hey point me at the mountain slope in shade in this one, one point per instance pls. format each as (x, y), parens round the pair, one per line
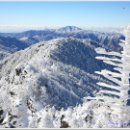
(10, 45)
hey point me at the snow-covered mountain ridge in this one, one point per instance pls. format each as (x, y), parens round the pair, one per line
(56, 67)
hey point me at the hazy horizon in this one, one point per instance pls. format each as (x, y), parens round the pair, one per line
(16, 29)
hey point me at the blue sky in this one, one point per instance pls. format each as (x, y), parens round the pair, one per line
(57, 14)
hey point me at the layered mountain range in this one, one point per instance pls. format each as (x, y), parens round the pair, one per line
(107, 40)
(51, 67)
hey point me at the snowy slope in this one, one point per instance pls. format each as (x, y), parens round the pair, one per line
(49, 73)
(3, 54)
(60, 67)
(55, 73)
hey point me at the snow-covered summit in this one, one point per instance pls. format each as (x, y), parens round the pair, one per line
(68, 29)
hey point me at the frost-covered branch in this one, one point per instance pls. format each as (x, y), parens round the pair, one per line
(121, 64)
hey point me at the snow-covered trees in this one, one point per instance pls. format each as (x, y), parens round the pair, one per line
(117, 89)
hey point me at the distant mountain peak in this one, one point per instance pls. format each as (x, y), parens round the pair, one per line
(69, 29)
